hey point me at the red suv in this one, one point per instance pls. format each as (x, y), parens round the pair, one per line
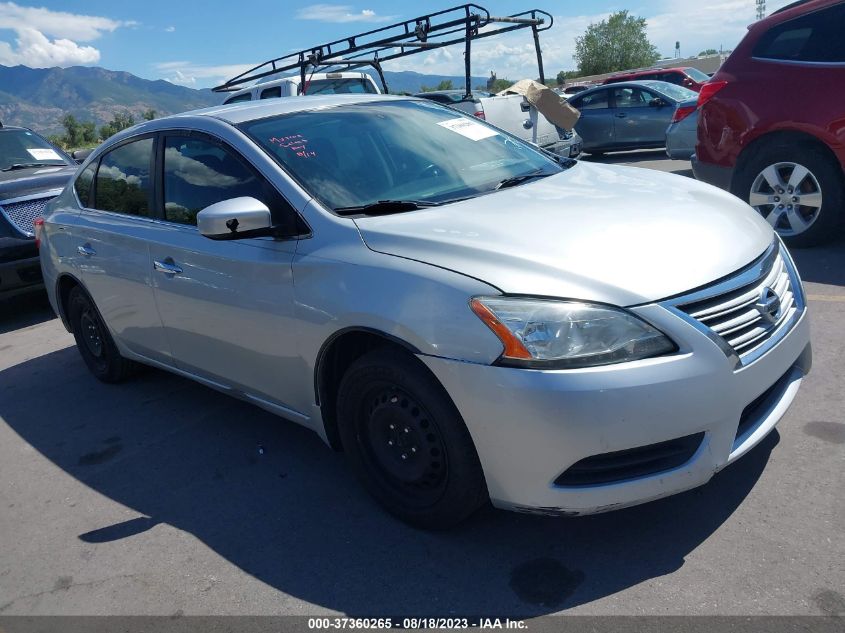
(771, 123)
(690, 78)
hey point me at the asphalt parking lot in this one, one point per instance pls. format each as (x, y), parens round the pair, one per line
(159, 496)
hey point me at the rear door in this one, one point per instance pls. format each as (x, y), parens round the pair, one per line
(226, 305)
(111, 247)
(514, 114)
(596, 123)
(636, 122)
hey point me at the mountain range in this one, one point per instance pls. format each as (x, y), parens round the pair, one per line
(38, 98)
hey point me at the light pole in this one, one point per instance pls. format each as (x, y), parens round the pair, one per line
(761, 9)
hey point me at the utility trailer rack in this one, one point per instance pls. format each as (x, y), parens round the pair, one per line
(462, 24)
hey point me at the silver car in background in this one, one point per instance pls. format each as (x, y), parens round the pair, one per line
(682, 133)
(464, 316)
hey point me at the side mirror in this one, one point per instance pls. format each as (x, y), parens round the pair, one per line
(235, 219)
(80, 155)
(657, 102)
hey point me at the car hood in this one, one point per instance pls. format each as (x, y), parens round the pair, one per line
(24, 182)
(618, 235)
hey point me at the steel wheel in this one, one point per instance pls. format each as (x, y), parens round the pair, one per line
(90, 332)
(788, 196)
(403, 443)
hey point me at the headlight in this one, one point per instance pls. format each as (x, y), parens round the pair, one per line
(564, 334)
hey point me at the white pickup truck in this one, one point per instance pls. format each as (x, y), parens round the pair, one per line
(316, 84)
(514, 114)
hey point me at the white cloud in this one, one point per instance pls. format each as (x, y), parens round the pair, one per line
(170, 29)
(32, 48)
(59, 24)
(339, 13)
(186, 73)
(34, 27)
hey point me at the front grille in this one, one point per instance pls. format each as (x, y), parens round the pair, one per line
(631, 463)
(735, 316)
(23, 213)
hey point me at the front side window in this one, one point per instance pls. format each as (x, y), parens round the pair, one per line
(271, 93)
(21, 149)
(83, 184)
(814, 37)
(359, 154)
(199, 173)
(123, 179)
(631, 97)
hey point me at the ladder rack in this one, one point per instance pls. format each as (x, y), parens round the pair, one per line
(462, 24)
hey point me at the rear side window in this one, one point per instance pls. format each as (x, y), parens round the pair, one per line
(123, 179)
(815, 37)
(199, 173)
(594, 101)
(271, 93)
(244, 97)
(83, 184)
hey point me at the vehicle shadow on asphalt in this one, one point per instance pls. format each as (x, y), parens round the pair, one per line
(273, 500)
(823, 264)
(24, 311)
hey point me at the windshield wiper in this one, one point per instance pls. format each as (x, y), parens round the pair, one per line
(385, 207)
(518, 180)
(27, 166)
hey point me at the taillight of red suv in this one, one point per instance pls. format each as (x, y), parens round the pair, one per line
(709, 90)
(682, 113)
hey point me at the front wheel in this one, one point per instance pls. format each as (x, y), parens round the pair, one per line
(406, 441)
(799, 191)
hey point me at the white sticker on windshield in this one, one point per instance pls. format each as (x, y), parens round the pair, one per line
(468, 128)
(44, 154)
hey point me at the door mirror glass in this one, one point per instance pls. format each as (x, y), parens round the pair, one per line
(80, 155)
(234, 219)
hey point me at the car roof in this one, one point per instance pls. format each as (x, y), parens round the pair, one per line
(651, 71)
(236, 113)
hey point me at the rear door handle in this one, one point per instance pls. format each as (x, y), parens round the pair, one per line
(621, 115)
(167, 267)
(86, 250)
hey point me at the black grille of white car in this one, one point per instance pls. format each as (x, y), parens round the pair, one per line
(23, 213)
(748, 316)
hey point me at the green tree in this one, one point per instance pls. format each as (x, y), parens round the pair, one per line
(709, 51)
(500, 84)
(121, 121)
(617, 43)
(149, 115)
(78, 134)
(446, 84)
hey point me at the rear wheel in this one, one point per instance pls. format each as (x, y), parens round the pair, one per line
(798, 190)
(406, 441)
(93, 340)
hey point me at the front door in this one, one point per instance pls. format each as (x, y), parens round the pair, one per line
(637, 123)
(227, 306)
(596, 123)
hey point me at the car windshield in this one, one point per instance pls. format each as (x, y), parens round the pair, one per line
(22, 148)
(697, 75)
(362, 154)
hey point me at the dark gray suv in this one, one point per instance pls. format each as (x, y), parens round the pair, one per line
(32, 172)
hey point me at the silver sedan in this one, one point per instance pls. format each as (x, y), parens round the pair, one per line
(467, 318)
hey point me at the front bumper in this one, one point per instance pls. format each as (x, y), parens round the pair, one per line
(529, 427)
(568, 148)
(19, 275)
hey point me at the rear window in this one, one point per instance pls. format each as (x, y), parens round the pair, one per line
(123, 180)
(814, 37)
(697, 75)
(339, 87)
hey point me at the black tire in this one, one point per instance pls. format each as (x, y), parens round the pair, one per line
(93, 340)
(389, 405)
(825, 175)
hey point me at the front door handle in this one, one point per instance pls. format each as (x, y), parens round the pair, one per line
(168, 267)
(621, 115)
(86, 250)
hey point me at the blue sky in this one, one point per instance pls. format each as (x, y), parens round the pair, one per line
(199, 44)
